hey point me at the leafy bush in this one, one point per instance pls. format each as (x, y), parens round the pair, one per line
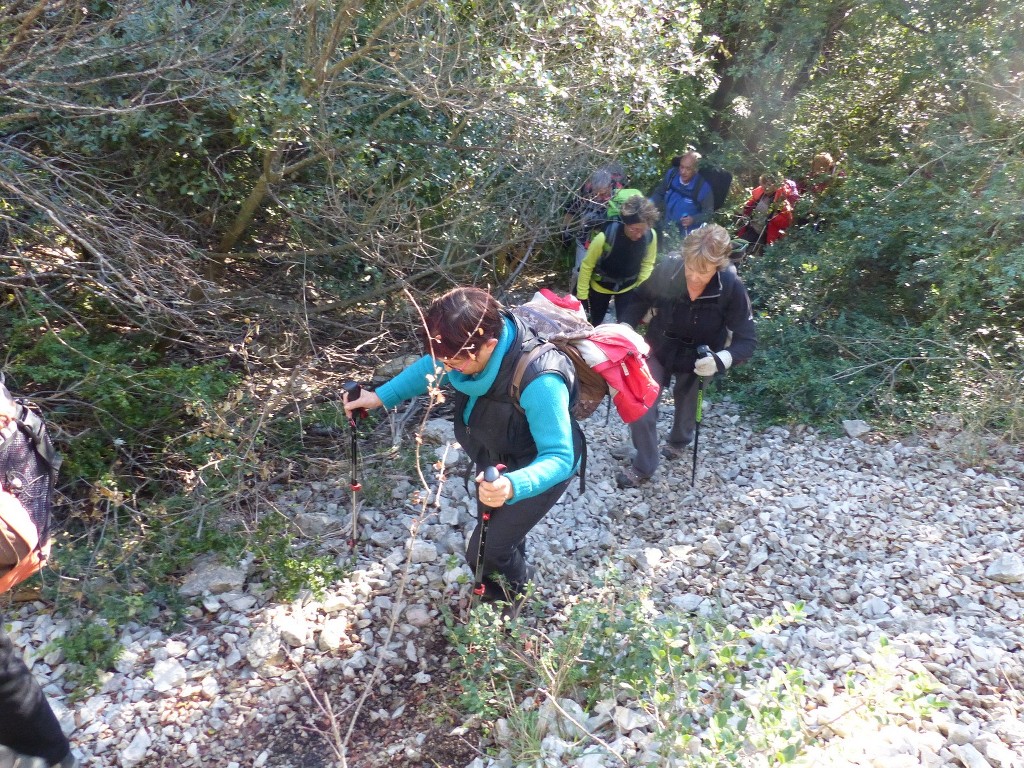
(124, 414)
(711, 692)
(693, 677)
(90, 651)
(848, 367)
(128, 567)
(893, 309)
(291, 563)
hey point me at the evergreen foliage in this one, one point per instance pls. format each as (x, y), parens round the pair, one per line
(902, 283)
(183, 184)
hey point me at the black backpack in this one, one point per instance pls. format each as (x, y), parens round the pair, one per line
(28, 473)
(611, 233)
(720, 181)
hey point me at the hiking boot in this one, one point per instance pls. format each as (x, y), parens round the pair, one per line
(630, 478)
(673, 451)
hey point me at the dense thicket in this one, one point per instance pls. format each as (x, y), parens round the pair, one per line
(905, 301)
(199, 201)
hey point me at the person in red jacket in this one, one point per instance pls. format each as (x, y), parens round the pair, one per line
(824, 173)
(769, 210)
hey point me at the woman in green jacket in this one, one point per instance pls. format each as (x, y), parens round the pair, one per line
(619, 259)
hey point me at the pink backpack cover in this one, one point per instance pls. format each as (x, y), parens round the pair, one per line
(613, 350)
(626, 371)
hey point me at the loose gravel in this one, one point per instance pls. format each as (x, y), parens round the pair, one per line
(882, 541)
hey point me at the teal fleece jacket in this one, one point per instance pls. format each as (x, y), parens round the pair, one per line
(545, 401)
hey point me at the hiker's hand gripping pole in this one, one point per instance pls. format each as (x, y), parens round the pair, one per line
(490, 475)
(495, 489)
(702, 351)
(352, 394)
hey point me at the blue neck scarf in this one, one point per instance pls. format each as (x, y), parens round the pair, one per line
(478, 384)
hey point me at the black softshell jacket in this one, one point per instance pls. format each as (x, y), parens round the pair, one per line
(680, 324)
(498, 432)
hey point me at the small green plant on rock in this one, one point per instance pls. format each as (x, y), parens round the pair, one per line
(293, 564)
(491, 675)
(90, 651)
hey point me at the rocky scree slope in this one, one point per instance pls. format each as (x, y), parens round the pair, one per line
(882, 541)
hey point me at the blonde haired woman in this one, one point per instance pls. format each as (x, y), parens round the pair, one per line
(698, 300)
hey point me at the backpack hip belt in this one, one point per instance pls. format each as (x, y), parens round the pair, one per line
(616, 284)
(683, 342)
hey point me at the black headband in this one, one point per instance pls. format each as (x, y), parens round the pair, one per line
(632, 218)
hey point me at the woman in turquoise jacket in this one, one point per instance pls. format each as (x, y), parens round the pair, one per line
(473, 346)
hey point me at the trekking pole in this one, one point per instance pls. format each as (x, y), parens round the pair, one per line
(353, 391)
(702, 351)
(758, 248)
(490, 475)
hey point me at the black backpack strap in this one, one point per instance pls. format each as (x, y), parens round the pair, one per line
(516, 382)
(728, 278)
(515, 390)
(577, 429)
(611, 232)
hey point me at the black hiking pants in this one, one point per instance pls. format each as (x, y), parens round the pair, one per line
(505, 543)
(599, 303)
(27, 724)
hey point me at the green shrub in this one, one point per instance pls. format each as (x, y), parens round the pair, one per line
(126, 567)
(123, 411)
(90, 650)
(713, 693)
(692, 676)
(293, 564)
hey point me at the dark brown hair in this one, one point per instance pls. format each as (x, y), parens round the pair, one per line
(639, 210)
(461, 321)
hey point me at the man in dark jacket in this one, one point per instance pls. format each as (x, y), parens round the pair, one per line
(698, 300)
